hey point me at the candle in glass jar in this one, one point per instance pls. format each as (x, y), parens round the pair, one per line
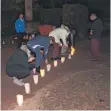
(42, 72)
(55, 63)
(62, 59)
(35, 77)
(27, 88)
(19, 99)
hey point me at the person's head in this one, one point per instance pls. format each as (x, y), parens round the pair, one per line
(31, 55)
(93, 16)
(21, 16)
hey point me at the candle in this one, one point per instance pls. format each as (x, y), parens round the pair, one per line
(62, 59)
(48, 67)
(19, 99)
(55, 63)
(42, 72)
(35, 77)
(72, 50)
(27, 88)
(69, 56)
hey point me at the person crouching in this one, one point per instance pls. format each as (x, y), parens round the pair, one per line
(19, 65)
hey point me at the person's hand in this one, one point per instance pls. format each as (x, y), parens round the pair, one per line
(31, 59)
(46, 61)
(34, 70)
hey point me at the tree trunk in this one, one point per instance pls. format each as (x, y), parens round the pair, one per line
(28, 10)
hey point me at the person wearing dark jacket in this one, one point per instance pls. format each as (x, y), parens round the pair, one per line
(95, 34)
(39, 45)
(18, 66)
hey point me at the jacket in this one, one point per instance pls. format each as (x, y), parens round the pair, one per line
(20, 25)
(96, 29)
(60, 33)
(17, 62)
(36, 43)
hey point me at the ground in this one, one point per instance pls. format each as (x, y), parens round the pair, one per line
(77, 84)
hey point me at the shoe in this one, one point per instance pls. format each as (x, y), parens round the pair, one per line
(18, 82)
(58, 58)
(53, 59)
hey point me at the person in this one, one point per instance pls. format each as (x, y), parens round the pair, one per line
(39, 45)
(19, 66)
(60, 33)
(20, 29)
(95, 34)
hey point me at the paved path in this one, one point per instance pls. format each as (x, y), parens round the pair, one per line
(76, 84)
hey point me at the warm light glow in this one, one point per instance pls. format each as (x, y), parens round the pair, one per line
(19, 99)
(27, 88)
(72, 50)
(55, 63)
(62, 59)
(69, 56)
(48, 67)
(35, 77)
(42, 72)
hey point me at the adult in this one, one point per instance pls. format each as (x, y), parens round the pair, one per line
(95, 36)
(59, 34)
(20, 29)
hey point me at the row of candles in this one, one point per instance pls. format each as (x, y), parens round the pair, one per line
(42, 73)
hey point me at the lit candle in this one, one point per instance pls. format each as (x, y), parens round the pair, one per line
(27, 88)
(35, 77)
(55, 63)
(72, 50)
(42, 72)
(19, 99)
(62, 59)
(48, 67)
(69, 56)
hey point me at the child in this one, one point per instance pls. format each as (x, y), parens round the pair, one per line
(18, 66)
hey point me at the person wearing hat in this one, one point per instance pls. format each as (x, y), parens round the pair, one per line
(19, 65)
(95, 34)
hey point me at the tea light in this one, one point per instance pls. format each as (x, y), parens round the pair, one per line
(42, 72)
(69, 56)
(62, 59)
(27, 88)
(35, 77)
(19, 99)
(55, 63)
(48, 67)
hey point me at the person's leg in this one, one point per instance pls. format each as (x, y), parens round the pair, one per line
(56, 51)
(95, 48)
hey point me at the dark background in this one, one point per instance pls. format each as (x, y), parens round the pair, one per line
(10, 11)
